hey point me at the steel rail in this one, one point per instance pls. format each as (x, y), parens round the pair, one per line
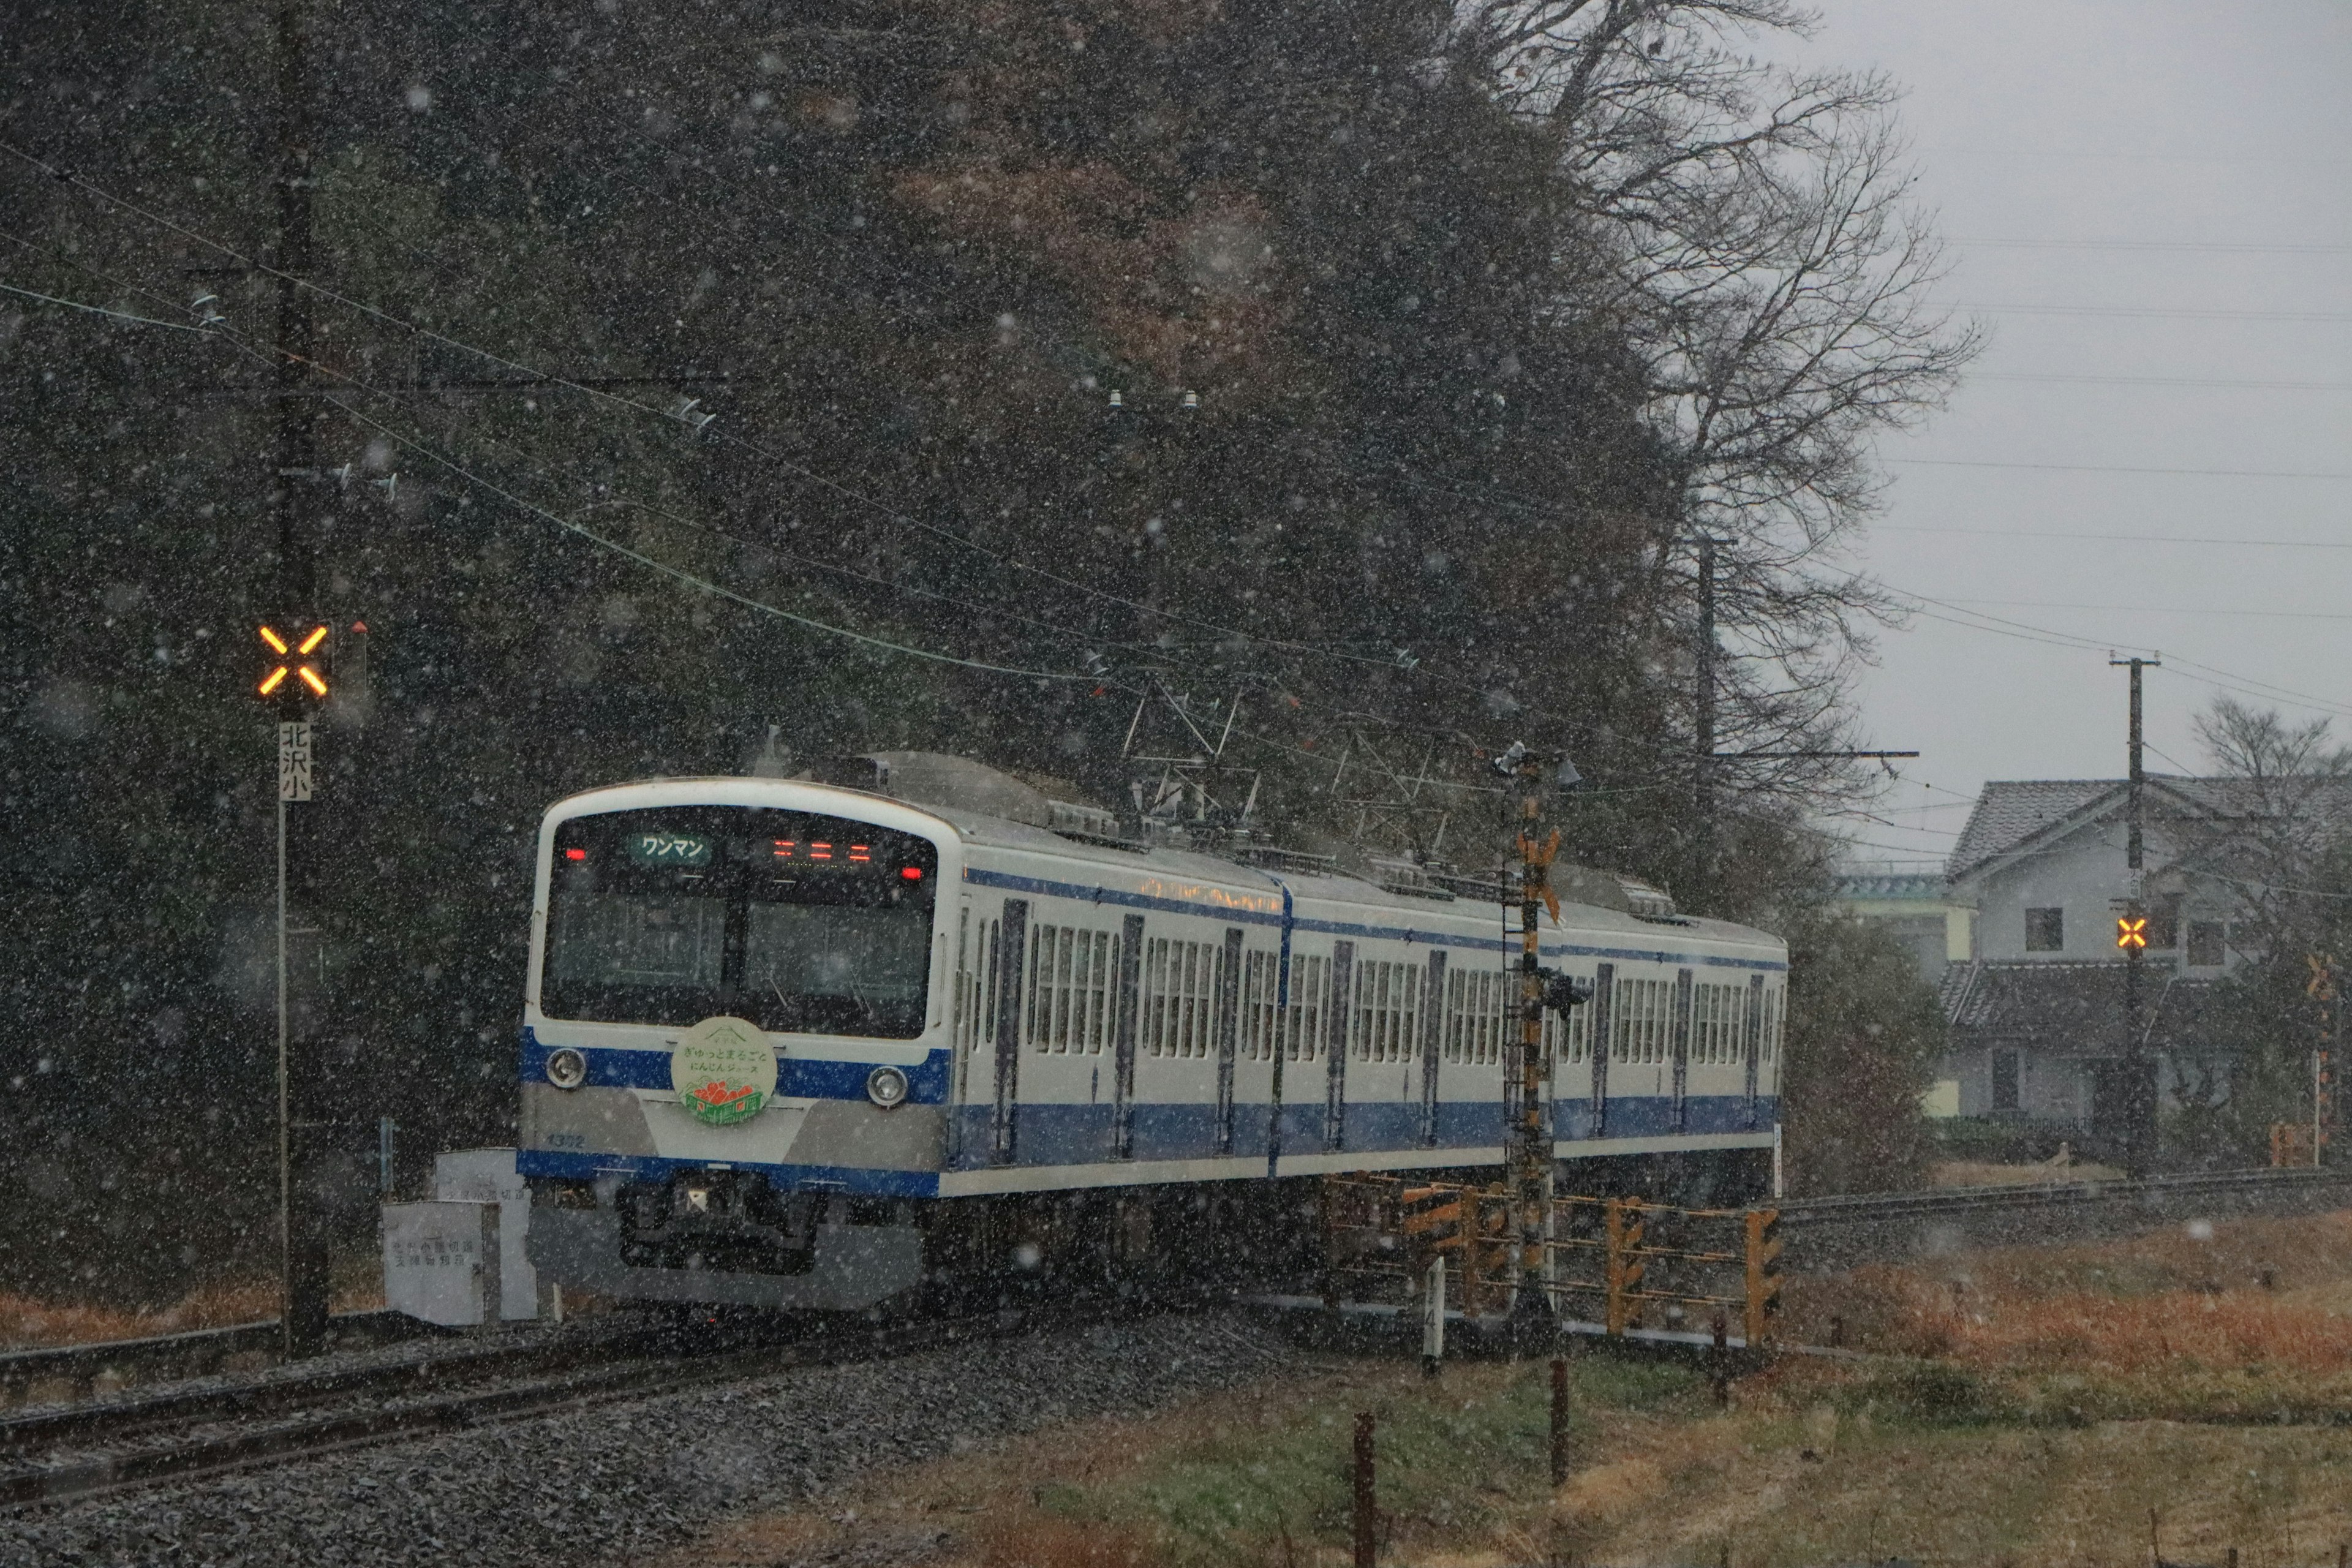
(133, 1413)
(1863, 1207)
(206, 1453)
(78, 1363)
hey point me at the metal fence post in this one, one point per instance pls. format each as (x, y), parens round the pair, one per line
(1365, 1513)
(1559, 1421)
(1433, 1316)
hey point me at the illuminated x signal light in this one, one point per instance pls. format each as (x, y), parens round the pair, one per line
(2131, 932)
(294, 661)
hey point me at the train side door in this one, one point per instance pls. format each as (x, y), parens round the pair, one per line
(1336, 1014)
(1131, 973)
(1433, 1029)
(1604, 1013)
(1682, 1049)
(1755, 1035)
(1012, 943)
(1228, 1036)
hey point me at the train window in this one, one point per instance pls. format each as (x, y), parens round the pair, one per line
(1260, 976)
(1477, 1004)
(1645, 1015)
(1718, 1024)
(674, 915)
(1310, 986)
(1388, 1011)
(1770, 1040)
(1180, 982)
(1068, 999)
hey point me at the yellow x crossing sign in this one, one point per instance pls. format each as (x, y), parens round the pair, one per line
(2131, 932)
(292, 658)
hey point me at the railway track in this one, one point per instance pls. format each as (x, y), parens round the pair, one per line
(1832, 1233)
(40, 1377)
(170, 1435)
(188, 1431)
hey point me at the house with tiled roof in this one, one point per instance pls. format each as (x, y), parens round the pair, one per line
(2036, 1010)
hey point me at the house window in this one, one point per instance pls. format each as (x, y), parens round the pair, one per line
(2164, 923)
(2046, 931)
(2207, 941)
(2004, 1080)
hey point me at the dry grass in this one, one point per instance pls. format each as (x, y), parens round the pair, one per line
(2034, 1439)
(28, 1323)
(1973, 1174)
(2234, 1322)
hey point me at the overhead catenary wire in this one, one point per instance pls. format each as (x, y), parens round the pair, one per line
(580, 529)
(643, 408)
(606, 396)
(689, 578)
(100, 310)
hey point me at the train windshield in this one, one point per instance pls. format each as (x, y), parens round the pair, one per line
(799, 922)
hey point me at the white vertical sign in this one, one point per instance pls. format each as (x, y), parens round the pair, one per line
(294, 761)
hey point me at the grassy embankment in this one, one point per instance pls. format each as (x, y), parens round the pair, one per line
(2034, 1406)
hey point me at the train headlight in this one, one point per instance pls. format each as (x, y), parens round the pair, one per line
(885, 1087)
(566, 1068)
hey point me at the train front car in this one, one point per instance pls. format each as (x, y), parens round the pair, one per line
(734, 1060)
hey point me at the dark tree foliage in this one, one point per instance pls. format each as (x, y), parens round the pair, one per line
(905, 252)
(1862, 1037)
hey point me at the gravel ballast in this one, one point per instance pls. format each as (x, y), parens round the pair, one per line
(618, 1481)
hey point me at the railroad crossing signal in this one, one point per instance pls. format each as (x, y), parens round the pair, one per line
(294, 657)
(1763, 1272)
(2131, 932)
(1625, 1267)
(1433, 1217)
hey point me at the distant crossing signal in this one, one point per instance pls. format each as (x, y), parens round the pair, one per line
(295, 658)
(2131, 932)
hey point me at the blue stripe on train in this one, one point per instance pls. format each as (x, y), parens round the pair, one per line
(797, 1077)
(1054, 1134)
(848, 1179)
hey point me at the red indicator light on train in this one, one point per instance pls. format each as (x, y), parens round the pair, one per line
(859, 852)
(575, 854)
(820, 851)
(912, 873)
(784, 848)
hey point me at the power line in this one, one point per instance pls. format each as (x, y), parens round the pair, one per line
(2115, 538)
(2166, 380)
(2116, 469)
(102, 310)
(800, 471)
(2161, 609)
(2218, 247)
(682, 575)
(2181, 312)
(2228, 680)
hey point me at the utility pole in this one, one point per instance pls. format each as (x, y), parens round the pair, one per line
(2139, 1096)
(1531, 1140)
(1704, 758)
(303, 1252)
(1703, 728)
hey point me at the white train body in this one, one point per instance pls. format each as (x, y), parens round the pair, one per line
(1063, 1016)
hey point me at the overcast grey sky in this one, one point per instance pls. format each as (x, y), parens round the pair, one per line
(2189, 161)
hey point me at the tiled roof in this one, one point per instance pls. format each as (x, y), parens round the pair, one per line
(2059, 1006)
(1924, 887)
(2011, 810)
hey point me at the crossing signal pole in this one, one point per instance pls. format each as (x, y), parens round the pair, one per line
(2137, 1109)
(300, 646)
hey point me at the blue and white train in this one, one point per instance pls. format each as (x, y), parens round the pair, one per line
(791, 1045)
